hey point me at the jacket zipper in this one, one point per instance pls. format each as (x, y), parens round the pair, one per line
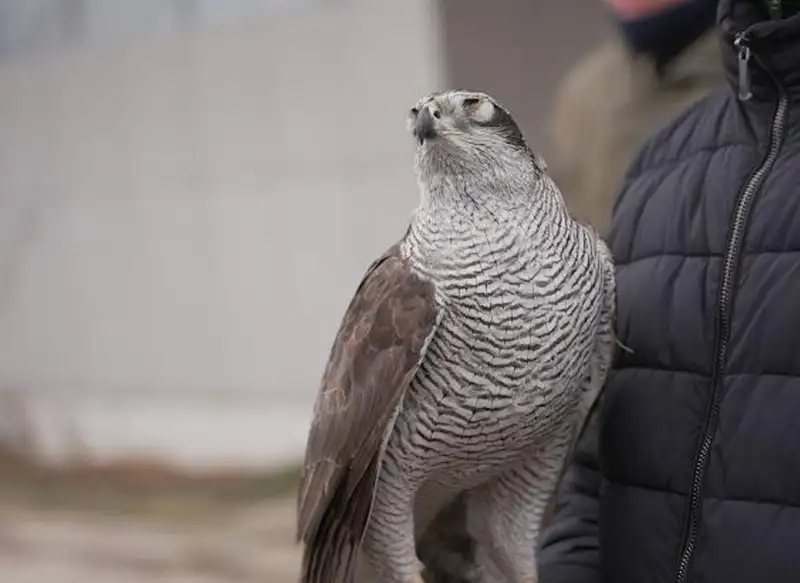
(725, 297)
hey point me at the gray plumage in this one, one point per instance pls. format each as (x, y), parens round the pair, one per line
(485, 336)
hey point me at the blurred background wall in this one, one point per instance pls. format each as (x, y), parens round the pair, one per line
(190, 190)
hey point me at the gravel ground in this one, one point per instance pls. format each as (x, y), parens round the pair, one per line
(252, 544)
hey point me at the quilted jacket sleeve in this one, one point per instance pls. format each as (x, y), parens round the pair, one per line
(569, 550)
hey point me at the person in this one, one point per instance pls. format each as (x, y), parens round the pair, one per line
(664, 58)
(690, 468)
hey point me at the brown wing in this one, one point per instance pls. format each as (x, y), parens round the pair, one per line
(377, 351)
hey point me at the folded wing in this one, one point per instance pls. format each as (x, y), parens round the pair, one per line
(378, 349)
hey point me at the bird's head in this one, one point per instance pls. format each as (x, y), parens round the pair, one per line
(467, 132)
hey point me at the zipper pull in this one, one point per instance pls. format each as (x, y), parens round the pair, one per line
(775, 9)
(745, 92)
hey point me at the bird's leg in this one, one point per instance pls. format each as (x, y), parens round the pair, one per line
(389, 544)
(505, 514)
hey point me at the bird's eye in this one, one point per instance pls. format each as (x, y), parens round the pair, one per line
(414, 111)
(470, 102)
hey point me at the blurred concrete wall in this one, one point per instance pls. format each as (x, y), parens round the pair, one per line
(187, 217)
(183, 220)
(518, 50)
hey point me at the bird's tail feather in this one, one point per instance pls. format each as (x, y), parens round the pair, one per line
(331, 555)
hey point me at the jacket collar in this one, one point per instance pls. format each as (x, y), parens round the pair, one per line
(774, 47)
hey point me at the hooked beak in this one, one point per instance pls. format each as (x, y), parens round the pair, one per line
(424, 127)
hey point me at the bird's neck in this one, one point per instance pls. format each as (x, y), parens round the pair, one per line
(505, 197)
(458, 209)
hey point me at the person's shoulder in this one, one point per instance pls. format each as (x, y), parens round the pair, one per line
(593, 68)
(698, 128)
(593, 86)
(678, 150)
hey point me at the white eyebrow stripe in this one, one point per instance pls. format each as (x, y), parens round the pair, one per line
(485, 111)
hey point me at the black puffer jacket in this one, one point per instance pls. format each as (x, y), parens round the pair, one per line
(698, 474)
